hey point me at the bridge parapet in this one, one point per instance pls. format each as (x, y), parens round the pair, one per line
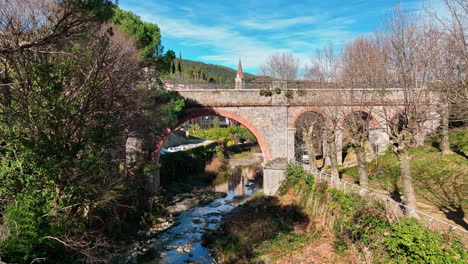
(272, 85)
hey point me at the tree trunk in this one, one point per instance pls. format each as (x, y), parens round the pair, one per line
(309, 141)
(445, 141)
(312, 159)
(407, 180)
(362, 164)
(332, 154)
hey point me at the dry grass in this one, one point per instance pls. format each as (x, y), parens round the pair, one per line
(214, 166)
(4, 232)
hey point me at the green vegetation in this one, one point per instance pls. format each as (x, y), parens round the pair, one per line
(147, 35)
(234, 134)
(410, 242)
(360, 229)
(458, 140)
(62, 132)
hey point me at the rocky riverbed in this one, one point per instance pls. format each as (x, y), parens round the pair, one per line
(177, 238)
(146, 244)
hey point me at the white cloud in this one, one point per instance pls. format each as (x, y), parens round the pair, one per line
(229, 43)
(275, 24)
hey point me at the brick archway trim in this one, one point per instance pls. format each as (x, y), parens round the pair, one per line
(219, 112)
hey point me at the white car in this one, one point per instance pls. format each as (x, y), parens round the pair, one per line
(172, 149)
(305, 158)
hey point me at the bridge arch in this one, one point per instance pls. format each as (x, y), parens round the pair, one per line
(219, 112)
(373, 123)
(292, 124)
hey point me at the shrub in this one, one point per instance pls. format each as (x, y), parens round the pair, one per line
(295, 174)
(301, 92)
(289, 94)
(277, 90)
(29, 226)
(266, 92)
(410, 242)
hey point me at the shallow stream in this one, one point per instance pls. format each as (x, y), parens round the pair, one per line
(182, 243)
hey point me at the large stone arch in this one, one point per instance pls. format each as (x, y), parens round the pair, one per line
(271, 183)
(190, 114)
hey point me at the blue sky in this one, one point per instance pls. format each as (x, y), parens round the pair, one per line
(221, 32)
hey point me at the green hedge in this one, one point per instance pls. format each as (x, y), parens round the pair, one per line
(178, 166)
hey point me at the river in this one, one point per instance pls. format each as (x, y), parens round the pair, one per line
(182, 243)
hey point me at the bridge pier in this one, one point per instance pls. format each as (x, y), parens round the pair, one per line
(378, 141)
(291, 134)
(273, 176)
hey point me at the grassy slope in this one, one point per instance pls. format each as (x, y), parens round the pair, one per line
(440, 180)
(310, 223)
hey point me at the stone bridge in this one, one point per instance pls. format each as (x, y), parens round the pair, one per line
(272, 119)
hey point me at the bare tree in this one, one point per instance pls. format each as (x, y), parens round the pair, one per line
(324, 69)
(363, 66)
(449, 69)
(356, 124)
(283, 66)
(404, 48)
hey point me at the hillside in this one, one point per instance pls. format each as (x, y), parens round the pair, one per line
(196, 71)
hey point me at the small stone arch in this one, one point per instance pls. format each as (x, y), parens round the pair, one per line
(396, 112)
(292, 124)
(220, 112)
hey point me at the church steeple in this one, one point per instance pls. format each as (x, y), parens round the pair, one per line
(239, 76)
(239, 70)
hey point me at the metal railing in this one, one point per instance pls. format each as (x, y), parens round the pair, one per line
(396, 208)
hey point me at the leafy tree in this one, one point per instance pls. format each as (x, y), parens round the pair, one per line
(165, 64)
(66, 98)
(147, 35)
